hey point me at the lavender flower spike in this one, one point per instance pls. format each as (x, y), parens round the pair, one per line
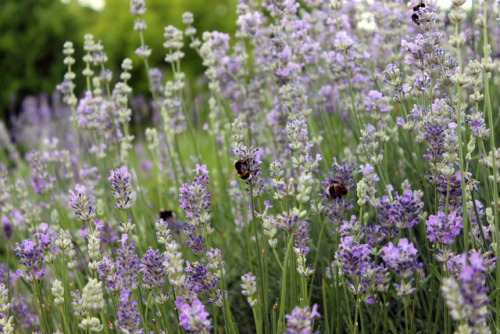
(467, 298)
(401, 258)
(30, 256)
(81, 204)
(122, 192)
(153, 269)
(128, 314)
(195, 198)
(353, 257)
(300, 321)
(443, 229)
(193, 317)
(248, 288)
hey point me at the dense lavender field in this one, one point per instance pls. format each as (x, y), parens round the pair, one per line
(333, 170)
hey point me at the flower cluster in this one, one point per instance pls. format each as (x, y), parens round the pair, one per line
(250, 157)
(122, 188)
(353, 257)
(194, 198)
(301, 320)
(402, 260)
(443, 228)
(41, 181)
(193, 317)
(466, 297)
(299, 83)
(128, 315)
(153, 269)
(30, 256)
(249, 287)
(81, 204)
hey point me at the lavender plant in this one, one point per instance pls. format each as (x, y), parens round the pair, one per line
(362, 141)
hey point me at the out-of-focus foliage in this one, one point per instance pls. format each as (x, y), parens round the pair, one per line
(33, 32)
(114, 23)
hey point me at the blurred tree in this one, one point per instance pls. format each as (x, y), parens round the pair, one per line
(33, 32)
(114, 27)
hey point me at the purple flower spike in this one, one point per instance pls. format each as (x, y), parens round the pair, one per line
(137, 7)
(300, 321)
(467, 296)
(127, 266)
(193, 317)
(25, 316)
(444, 229)
(401, 259)
(354, 257)
(3, 273)
(81, 204)
(128, 315)
(201, 277)
(41, 181)
(153, 269)
(195, 198)
(122, 192)
(336, 207)
(30, 256)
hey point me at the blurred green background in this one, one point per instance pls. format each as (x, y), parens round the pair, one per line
(33, 32)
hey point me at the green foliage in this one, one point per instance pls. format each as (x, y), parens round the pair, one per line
(33, 32)
(114, 27)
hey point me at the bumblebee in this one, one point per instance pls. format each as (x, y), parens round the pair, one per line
(243, 170)
(418, 6)
(165, 214)
(337, 189)
(415, 17)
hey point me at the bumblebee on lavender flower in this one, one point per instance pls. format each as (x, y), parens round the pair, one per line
(244, 172)
(337, 189)
(169, 218)
(415, 16)
(334, 190)
(165, 214)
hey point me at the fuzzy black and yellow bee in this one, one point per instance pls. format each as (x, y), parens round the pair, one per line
(173, 223)
(337, 189)
(415, 17)
(243, 170)
(165, 214)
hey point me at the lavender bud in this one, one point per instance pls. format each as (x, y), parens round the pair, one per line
(187, 18)
(58, 292)
(248, 286)
(137, 7)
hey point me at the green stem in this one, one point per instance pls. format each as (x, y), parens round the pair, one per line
(487, 103)
(460, 150)
(214, 312)
(325, 304)
(405, 302)
(317, 254)
(355, 324)
(256, 320)
(261, 268)
(284, 285)
(303, 288)
(147, 305)
(277, 259)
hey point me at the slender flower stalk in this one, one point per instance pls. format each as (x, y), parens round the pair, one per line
(456, 16)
